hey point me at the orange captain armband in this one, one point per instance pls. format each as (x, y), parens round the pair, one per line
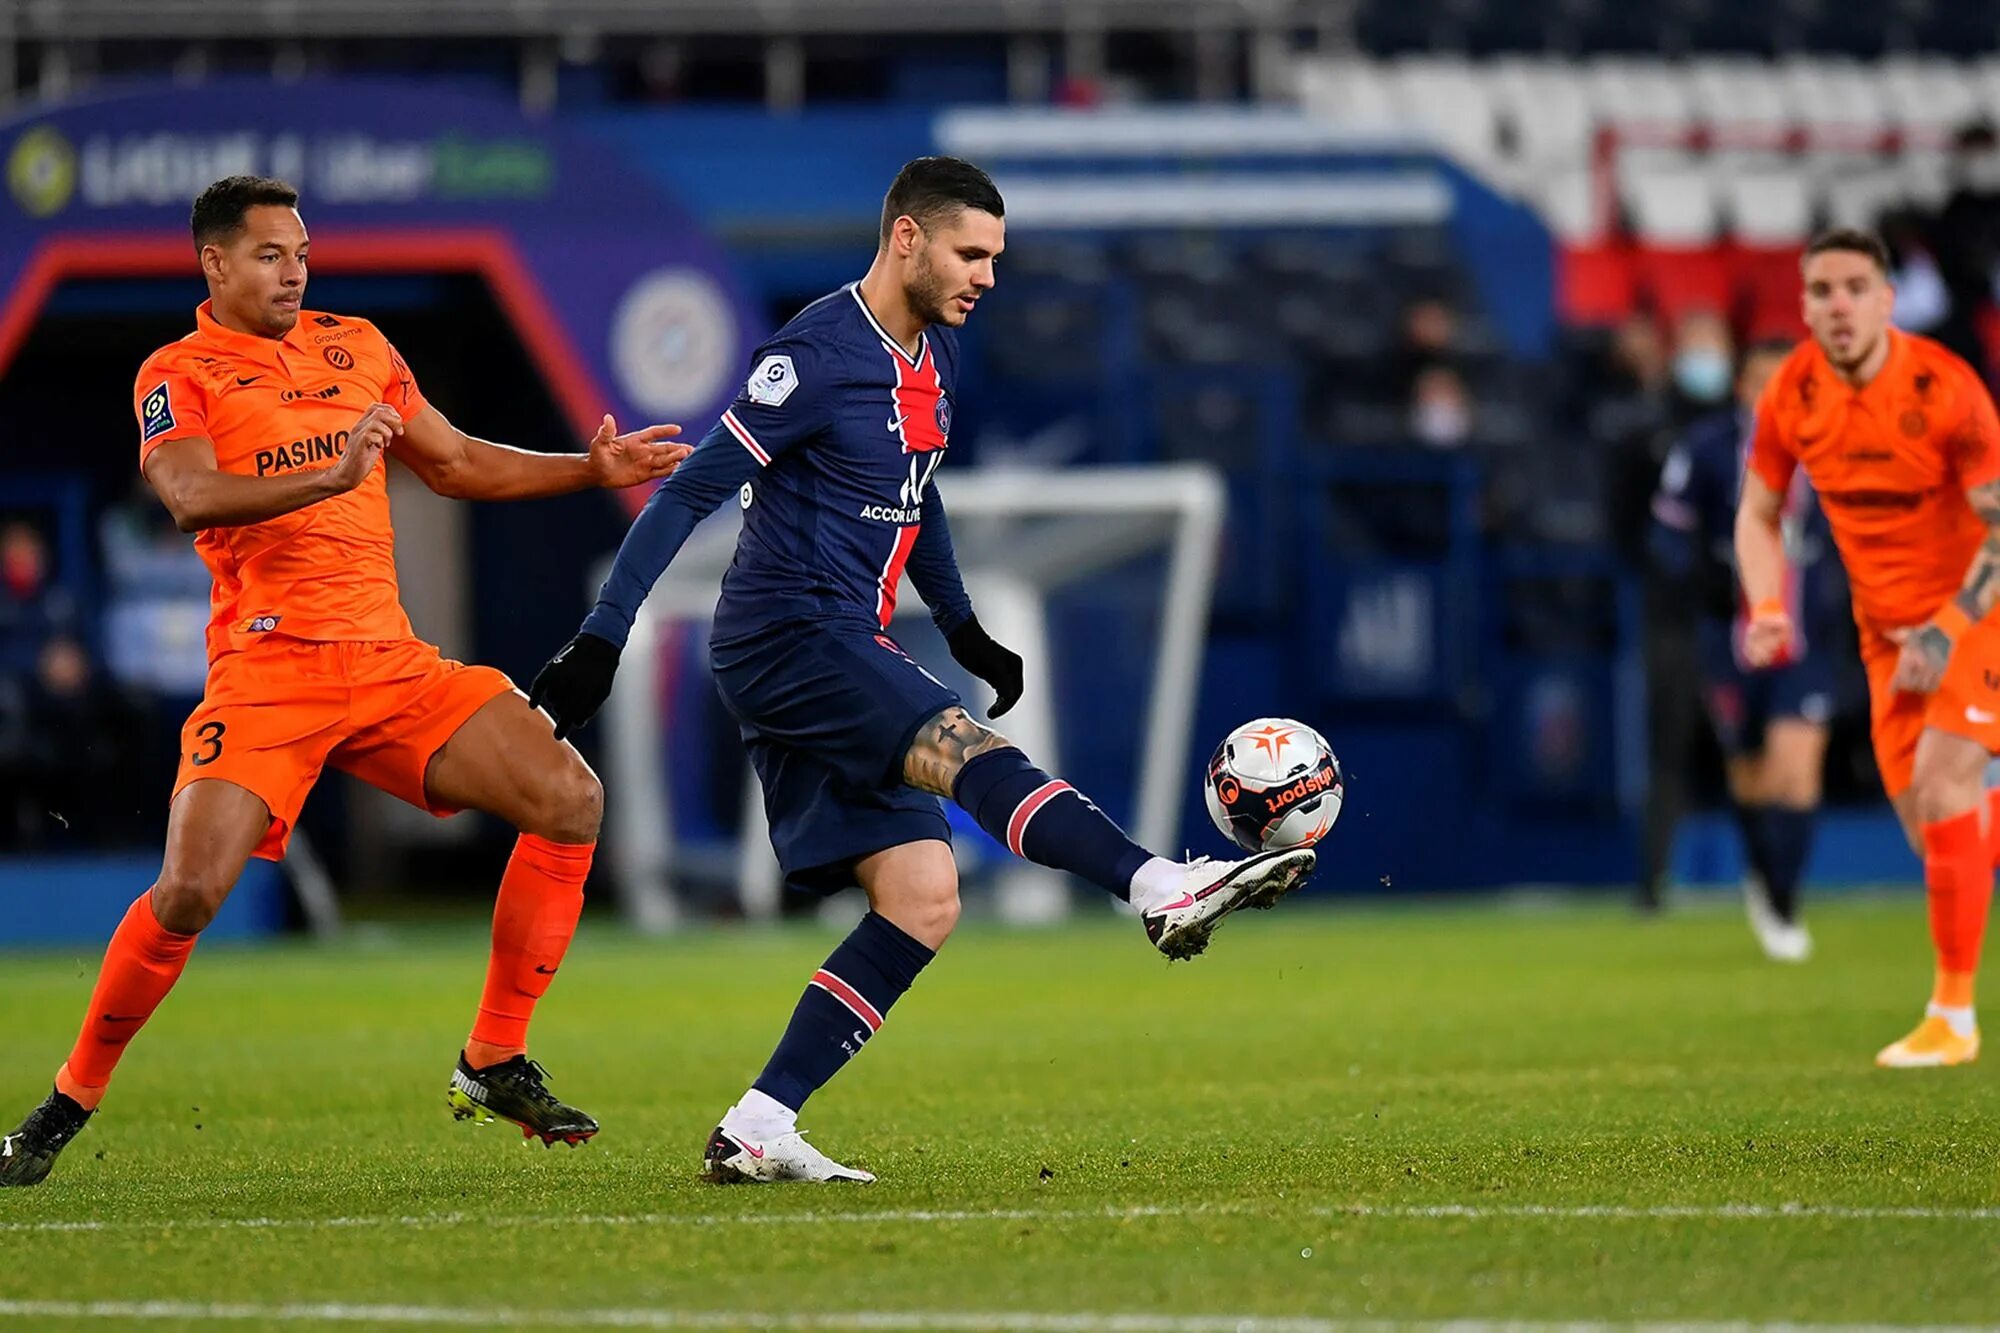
(1951, 618)
(1770, 608)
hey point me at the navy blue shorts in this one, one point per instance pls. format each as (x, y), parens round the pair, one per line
(1742, 704)
(828, 709)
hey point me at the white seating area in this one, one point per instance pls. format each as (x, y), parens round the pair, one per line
(1698, 149)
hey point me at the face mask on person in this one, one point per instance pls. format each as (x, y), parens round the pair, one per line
(1702, 373)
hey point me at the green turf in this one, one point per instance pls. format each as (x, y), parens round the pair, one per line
(1111, 1133)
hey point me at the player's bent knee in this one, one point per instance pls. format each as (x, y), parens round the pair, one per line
(572, 807)
(185, 901)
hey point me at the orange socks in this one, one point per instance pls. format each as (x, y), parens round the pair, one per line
(1958, 871)
(141, 965)
(541, 896)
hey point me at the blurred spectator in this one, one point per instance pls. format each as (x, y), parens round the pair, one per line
(1922, 302)
(1440, 408)
(1704, 364)
(68, 767)
(1429, 339)
(1966, 244)
(31, 608)
(1628, 411)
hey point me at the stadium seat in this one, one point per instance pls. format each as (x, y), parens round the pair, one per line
(1738, 100)
(1858, 195)
(1771, 206)
(1670, 204)
(1544, 110)
(1835, 101)
(1927, 97)
(1352, 92)
(1449, 102)
(1632, 94)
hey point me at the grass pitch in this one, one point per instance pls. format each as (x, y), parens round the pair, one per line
(1402, 1115)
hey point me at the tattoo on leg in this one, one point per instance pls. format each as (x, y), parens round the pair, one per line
(941, 748)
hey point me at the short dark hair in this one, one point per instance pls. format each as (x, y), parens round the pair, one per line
(1853, 240)
(220, 209)
(933, 190)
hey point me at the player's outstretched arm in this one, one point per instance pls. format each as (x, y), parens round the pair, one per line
(465, 467)
(1760, 564)
(577, 680)
(199, 494)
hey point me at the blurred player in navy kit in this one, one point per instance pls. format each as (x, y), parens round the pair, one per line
(831, 449)
(1771, 723)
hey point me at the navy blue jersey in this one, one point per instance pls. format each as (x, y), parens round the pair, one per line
(1695, 532)
(830, 447)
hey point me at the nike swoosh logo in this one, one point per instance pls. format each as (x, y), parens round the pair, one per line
(758, 1153)
(1980, 717)
(7, 1145)
(896, 424)
(251, 380)
(1186, 900)
(545, 971)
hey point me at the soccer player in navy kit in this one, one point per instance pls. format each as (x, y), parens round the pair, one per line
(1771, 722)
(831, 447)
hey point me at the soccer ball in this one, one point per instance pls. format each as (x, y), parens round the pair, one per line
(1274, 783)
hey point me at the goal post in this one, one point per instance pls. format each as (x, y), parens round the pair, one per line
(1022, 535)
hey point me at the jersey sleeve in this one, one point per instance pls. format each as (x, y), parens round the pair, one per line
(400, 391)
(1974, 442)
(169, 406)
(933, 567)
(784, 403)
(714, 471)
(1770, 456)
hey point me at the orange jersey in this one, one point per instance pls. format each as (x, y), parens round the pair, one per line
(1892, 462)
(325, 572)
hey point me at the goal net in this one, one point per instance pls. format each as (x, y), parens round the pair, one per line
(1026, 539)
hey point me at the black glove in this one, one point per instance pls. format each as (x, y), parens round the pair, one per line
(974, 649)
(576, 682)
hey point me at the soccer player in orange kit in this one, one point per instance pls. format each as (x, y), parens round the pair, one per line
(1900, 439)
(262, 432)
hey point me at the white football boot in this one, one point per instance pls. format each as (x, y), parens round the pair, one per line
(1782, 941)
(743, 1151)
(1179, 926)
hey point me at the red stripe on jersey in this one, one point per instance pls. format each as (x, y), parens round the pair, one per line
(1017, 823)
(848, 996)
(892, 573)
(915, 399)
(745, 438)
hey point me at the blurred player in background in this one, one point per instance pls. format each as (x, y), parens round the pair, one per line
(261, 432)
(1899, 438)
(831, 449)
(1771, 721)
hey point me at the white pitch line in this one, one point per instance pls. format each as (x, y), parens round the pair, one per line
(1275, 1210)
(872, 1321)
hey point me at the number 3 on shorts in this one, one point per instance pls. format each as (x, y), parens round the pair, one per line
(210, 736)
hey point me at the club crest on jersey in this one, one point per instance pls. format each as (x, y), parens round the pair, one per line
(156, 414)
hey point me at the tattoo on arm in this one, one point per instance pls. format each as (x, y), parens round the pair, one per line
(1931, 643)
(1981, 589)
(942, 747)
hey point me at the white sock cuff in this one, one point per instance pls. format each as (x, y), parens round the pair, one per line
(760, 1108)
(1964, 1022)
(1155, 882)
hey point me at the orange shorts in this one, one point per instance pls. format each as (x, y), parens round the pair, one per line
(1966, 703)
(274, 714)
